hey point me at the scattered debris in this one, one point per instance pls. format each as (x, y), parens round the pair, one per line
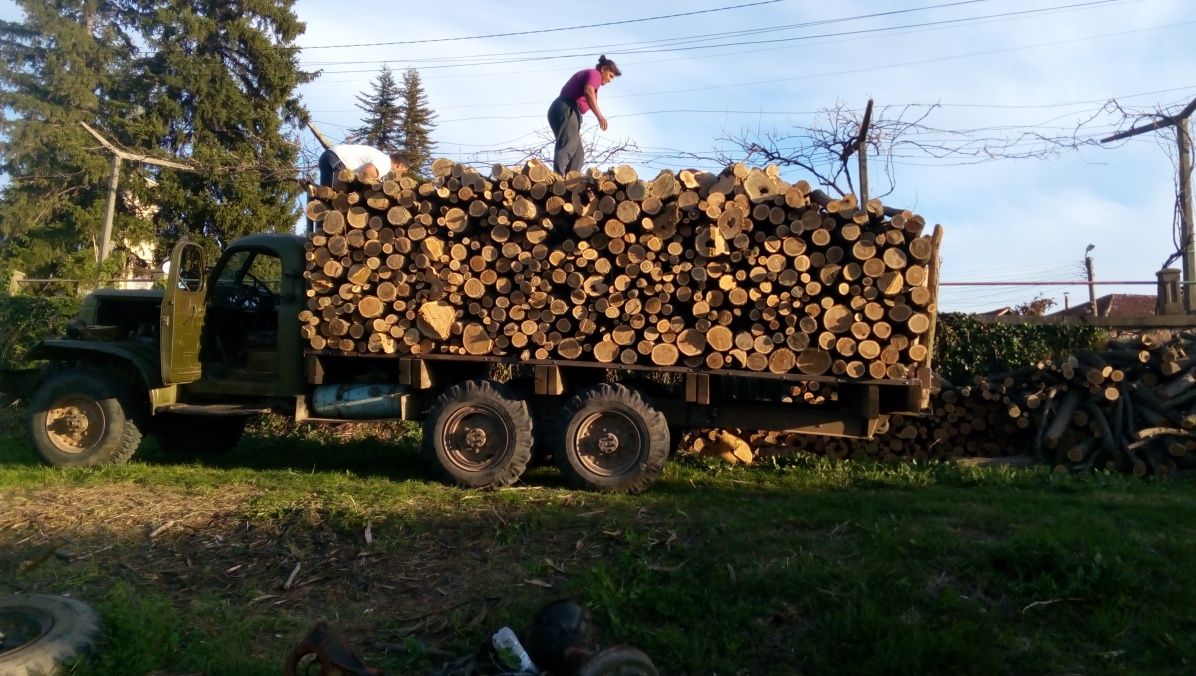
(326, 646)
(291, 579)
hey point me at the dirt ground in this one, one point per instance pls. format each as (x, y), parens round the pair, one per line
(438, 580)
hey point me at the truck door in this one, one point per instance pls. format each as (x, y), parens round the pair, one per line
(182, 315)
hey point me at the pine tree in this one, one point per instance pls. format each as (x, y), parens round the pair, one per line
(416, 123)
(60, 63)
(218, 88)
(383, 114)
(209, 81)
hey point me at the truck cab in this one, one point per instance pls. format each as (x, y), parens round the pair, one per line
(189, 362)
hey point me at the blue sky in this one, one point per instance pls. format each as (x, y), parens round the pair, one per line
(1023, 220)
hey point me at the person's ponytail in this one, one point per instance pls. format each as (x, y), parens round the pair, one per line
(607, 64)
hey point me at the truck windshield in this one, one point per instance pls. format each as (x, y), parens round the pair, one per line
(246, 267)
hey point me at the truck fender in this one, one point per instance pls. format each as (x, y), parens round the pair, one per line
(143, 359)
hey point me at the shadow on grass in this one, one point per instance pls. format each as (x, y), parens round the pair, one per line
(375, 449)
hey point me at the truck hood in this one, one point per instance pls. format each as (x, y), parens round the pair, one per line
(134, 295)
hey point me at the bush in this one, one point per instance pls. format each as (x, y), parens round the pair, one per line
(965, 347)
(25, 320)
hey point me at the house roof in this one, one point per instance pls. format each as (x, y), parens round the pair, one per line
(1114, 305)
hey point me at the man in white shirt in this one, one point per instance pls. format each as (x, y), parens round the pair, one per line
(364, 160)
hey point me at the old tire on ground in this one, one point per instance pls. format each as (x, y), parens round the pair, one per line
(39, 634)
(198, 435)
(619, 661)
(478, 434)
(612, 440)
(83, 417)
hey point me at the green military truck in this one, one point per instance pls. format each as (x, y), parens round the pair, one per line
(192, 362)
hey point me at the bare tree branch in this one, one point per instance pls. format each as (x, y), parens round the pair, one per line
(598, 149)
(824, 146)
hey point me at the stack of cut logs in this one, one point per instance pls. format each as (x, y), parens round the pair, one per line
(736, 270)
(1130, 407)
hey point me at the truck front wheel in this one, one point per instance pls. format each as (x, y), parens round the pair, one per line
(613, 440)
(83, 417)
(478, 434)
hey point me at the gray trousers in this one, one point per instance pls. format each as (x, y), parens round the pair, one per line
(565, 120)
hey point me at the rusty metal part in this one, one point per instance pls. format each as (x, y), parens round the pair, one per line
(476, 436)
(609, 442)
(331, 650)
(75, 424)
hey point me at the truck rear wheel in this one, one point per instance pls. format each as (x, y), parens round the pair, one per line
(83, 417)
(478, 434)
(613, 440)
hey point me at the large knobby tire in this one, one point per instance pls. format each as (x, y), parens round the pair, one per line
(198, 435)
(478, 434)
(612, 440)
(42, 634)
(83, 417)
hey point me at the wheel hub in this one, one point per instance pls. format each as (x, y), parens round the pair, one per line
(75, 424)
(20, 628)
(609, 442)
(475, 437)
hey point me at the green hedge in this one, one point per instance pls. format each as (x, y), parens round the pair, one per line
(965, 347)
(25, 320)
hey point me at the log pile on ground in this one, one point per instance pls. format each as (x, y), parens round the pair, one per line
(736, 270)
(1130, 408)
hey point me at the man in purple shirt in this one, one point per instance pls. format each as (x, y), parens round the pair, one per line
(578, 95)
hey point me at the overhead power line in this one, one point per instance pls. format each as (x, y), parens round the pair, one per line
(555, 30)
(658, 41)
(919, 62)
(575, 53)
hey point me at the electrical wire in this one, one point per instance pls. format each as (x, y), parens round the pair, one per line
(680, 39)
(554, 30)
(799, 38)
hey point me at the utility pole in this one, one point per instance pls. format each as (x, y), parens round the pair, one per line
(859, 145)
(114, 181)
(1184, 137)
(1088, 266)
(862, 151)
(319, 136)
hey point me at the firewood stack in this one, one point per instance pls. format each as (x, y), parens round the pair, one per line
(1130, 407)
(736, 270)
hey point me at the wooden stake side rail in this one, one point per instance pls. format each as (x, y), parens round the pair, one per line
(755, 375)
(862, 407)
(926, 370)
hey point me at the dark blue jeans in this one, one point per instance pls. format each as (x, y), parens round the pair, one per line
(329, 165)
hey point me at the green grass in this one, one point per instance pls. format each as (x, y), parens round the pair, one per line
(801, 566)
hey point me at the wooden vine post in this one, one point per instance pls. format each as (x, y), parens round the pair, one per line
(1188, 240)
